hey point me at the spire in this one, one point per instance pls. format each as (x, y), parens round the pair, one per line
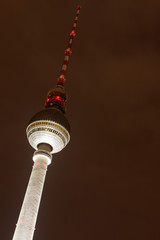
(68, 51)
(56, 98)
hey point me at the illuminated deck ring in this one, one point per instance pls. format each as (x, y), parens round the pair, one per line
(48, 132)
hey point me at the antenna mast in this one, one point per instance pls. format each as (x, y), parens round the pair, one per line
(68, 52)
(57, 97)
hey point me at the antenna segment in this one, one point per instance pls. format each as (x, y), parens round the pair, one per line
(68, 52)
(57, 97)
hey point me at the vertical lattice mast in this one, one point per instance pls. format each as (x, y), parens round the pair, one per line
(48, 132)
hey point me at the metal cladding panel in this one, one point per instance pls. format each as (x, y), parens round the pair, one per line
(51, 114)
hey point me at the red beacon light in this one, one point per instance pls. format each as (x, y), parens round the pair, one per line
(61, 80)
(55, 98)
(79, 6)
(68, 52)
(73, 34)
(58, 98)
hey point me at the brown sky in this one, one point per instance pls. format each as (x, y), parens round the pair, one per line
(105, 184)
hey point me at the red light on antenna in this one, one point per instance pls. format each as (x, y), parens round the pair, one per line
(68, 52)
(51, 99)
(58, 98)
(61, 79)
(79, 6)
(73, 33)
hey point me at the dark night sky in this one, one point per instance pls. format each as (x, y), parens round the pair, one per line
(105, 183)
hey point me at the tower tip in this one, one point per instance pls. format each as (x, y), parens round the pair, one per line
(79, 6)
(68, 51)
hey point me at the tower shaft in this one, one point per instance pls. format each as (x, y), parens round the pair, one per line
(25, 226)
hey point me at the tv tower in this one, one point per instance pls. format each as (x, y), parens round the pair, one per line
(48, 132)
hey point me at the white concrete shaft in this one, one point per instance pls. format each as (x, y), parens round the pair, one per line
(29, 211)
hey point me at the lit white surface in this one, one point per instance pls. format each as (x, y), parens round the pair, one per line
(29, 211)
(46, 158)
(47, 132)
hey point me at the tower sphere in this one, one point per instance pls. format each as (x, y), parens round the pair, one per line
(51, 127)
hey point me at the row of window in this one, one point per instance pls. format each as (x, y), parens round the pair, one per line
(49, 130)
(48, 123)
